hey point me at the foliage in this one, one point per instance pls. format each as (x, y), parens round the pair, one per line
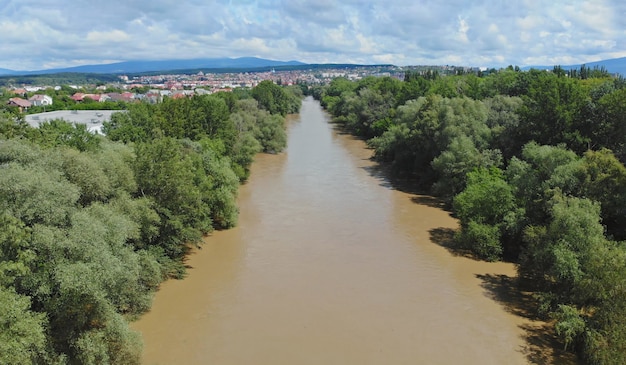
(22, 335)
(533, 165)
(275, 99)
(270, 133)
(482, 208)
(64, 247)
(90, 226)
(62, 133)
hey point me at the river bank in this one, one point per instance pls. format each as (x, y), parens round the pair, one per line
(331, 264)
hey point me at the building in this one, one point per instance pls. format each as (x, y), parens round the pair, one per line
(22, 104)
(93, 119)
(79, 97)
(40, 100)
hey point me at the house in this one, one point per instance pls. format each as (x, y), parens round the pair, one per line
(199, 91)
(103, 97)
(21, 92)
(94, 97)
(78, 97)
(40, 100)
(178, 95)
(154, 97)
(126, 96)
(22, 104)
(115, 97)
(98, 97)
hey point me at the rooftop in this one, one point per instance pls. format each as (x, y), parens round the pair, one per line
(93, 119)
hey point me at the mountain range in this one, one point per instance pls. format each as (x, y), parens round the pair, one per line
(164, 65)
(614, 66)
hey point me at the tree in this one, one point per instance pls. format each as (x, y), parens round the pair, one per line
(581, 274)
(610, 131)
(484, 207)
(453, 165)
(270, 132)
(530, 177)
(138, 124)
(85, 172)
(603, 178)
(16, 255)
(22, 335)
(35, 196)
(550, 112)
(62, 133)
(271, 97)
(503, 121)
(208, 115)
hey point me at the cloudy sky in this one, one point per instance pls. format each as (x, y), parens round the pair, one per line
(39, 34)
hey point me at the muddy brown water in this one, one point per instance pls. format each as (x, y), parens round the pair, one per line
(331, 265)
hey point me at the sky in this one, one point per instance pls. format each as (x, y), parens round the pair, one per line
(42, 34)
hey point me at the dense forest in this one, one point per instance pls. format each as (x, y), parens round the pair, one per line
(91, 225)
(532, 164)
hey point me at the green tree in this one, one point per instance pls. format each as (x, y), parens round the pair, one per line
(37, 196)
(484, 207)
(603, 178)
(503, 121)
(551, 110)
(531, 177)
(138, 124)
(168, 175)
(610, 126)
(271, 97)
(85, 172)
(22, 334)
(270, 132)
(62, 133)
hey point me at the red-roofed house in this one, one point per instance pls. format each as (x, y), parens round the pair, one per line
(97, 97)
(20, 103)
(78, 97)
(115, 97)
(19, 92)
(121, 97)
(128, 96)
(178, 96)
(94, 97)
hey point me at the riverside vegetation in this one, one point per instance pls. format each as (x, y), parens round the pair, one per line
(91, 225)
(532, 164)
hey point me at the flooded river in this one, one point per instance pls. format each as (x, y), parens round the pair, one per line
(331, 265)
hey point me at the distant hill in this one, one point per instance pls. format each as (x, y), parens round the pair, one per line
(4, 71)
(165, 65)
(614, 66)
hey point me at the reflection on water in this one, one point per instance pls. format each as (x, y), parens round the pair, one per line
(331, 265)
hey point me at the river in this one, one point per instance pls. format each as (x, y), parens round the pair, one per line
(330, 264)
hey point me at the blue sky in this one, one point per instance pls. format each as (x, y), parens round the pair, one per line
(39, 34)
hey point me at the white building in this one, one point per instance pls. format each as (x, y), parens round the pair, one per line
(40, 100)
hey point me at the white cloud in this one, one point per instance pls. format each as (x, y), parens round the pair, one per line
(41, 33)
(462, 32)
(113, 36)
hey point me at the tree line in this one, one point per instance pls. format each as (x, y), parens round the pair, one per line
(62, 78)
(91, 225)
(532, 164)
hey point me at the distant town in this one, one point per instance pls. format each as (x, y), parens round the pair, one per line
(153, 88)
(92, 103)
